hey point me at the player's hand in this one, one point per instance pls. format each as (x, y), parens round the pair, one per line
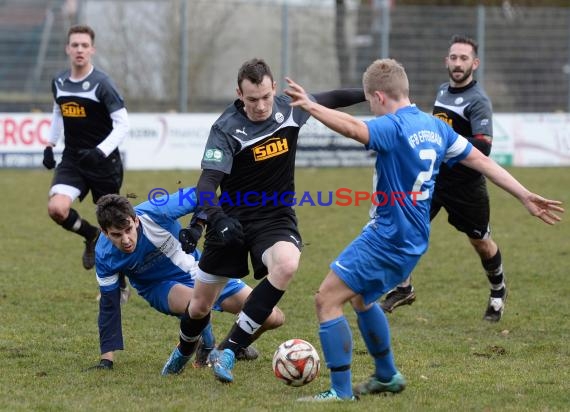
(49, 161)
(225, 231)
(544, 208)
(298, 95)
(189, 237)
(90, 158)
(104, 364)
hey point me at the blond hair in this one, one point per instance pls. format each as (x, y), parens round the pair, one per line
(388, 76)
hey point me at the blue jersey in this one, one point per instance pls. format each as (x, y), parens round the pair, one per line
(411, 146)
(157, 263)
(158, 254)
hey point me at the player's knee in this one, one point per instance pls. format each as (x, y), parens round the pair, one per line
(286, 269)
(486, 248)
(198, 310)
(57, 212)
(59, 207)
(199, 313)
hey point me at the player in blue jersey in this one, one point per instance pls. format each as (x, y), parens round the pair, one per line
(251, 152)
(411, 147)
(142, 243)
(91, 114)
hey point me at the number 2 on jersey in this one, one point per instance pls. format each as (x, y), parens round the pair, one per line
(425, 154)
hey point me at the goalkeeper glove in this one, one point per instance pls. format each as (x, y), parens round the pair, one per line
(49, 161)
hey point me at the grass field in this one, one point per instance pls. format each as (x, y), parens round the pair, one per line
(452, 359)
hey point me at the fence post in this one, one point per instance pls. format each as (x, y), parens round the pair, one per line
(481, 23)
(567, 68)
(381, 26)
(41, 58)
(385, 29)
(284, 45)
(184, 56)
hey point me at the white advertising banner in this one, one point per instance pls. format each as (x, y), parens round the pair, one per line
(176, 141)
(533, 139)
(155, 141)
(166, 141)
(22, 139)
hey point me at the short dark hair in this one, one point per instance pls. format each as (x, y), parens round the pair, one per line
(114, 210)
(459, 38)
(81, 28)
(254, 70)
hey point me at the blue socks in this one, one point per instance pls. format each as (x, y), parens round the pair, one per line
(376, 334)
(337, 344)
(336, 341)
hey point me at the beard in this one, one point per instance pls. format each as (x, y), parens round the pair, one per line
(464, 75)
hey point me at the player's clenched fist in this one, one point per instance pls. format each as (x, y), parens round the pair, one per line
(225, 231)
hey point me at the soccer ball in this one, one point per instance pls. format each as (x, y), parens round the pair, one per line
(296, 362)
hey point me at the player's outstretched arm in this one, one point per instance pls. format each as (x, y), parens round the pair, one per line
(340, 97)
(340, 122)
(544, 209)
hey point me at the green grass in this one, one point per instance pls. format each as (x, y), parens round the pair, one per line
(451, 358)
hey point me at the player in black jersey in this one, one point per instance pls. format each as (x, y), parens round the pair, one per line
(462, 192)
(250, 156)
(91, 113)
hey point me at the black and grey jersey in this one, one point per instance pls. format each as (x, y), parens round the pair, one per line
(258, 159)
(469, 112)
(86, 106)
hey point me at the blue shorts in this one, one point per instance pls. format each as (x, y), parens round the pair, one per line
(370, 268)
(157, 295)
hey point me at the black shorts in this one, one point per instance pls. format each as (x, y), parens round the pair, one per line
(106, 179)
(260, 235)
(467, 207)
